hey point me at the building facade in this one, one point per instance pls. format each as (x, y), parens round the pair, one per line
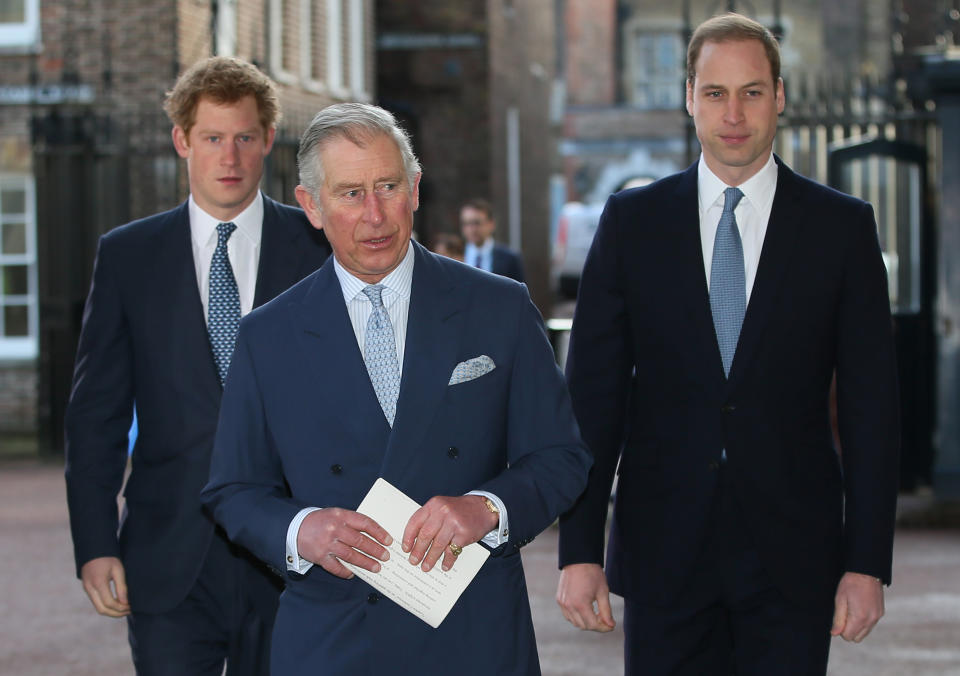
(85, 146)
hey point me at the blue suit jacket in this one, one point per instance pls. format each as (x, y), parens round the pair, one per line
(299, 411)
(507, 262)
(144, 339)
(649, 392)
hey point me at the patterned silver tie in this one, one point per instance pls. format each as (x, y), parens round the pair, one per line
(223, 307)
(728, 285)
(380, 354)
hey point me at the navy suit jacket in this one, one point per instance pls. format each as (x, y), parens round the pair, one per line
(649, 391)
(299, 411)
(144, 339)
(507, 262)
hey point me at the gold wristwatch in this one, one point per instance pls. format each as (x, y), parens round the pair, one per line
(489, 503)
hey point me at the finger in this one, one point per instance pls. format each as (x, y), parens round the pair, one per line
(120, 586)
(424, 539)
(839, 616)
(332, 565)
(605, 614)
(439, 547)
(413, 527)
(362, 522)
(352, 556)
(103, 601)
(364, 544)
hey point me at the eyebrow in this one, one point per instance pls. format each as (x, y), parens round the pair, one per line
(749, 85)
(347, 185)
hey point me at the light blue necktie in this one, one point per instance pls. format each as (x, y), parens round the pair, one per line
(380, 354)
(223, 307)
(728, 284)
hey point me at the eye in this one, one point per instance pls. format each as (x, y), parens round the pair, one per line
(213, 139)
(245, 138)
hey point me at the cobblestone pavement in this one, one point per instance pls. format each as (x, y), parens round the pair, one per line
(48, 628)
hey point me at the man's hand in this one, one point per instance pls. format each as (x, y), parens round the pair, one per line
(333, 533)
(581, 585)
(105, 582)
(444, 520)
(858, 606)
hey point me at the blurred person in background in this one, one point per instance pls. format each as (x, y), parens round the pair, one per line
(449, 245)
(482, 251)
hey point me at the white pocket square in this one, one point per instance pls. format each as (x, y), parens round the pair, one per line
(470, 369)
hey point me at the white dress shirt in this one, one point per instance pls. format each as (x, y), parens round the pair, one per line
(396, 300)
(753, 213)
(485, 251)
(243, 249)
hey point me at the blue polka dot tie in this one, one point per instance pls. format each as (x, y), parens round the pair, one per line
(380, 354)
(728, 285)
(223, 308)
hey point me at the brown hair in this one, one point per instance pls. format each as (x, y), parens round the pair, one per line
(732, 27)
(479, 204)
(221, 79)
(453, 244)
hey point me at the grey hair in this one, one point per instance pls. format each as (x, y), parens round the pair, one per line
(358, 123)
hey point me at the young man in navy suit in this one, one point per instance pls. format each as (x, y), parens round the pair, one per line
(158, 333)
(391, 362)
(482, 251)
(715, 307)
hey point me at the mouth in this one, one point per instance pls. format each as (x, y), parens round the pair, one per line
(229, 180)
(734, 140)
(378, 242)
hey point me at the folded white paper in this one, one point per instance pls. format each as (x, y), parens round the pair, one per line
(429, 596)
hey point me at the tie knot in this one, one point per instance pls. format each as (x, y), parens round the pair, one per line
(374, 293)
(224, 230)
(731, 198)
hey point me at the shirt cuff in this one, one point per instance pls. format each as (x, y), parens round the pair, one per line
(294, 562)
(499, 535)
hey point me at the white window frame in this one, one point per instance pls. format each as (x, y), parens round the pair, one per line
(280, 74)
(358, 51)
(640, 28)
(227, 28)
(335, 49)
(308, 70)
(22, 347)
(25, 34)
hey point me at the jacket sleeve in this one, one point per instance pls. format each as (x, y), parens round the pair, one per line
(99, 414)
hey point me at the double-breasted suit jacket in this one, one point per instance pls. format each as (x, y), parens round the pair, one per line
(650, 394)
(299, 410)
(145, 340)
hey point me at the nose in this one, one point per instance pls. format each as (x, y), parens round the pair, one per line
(734, 111)
(229, 154)
(372, 210)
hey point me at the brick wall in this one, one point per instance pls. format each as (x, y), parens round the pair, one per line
(18, 398)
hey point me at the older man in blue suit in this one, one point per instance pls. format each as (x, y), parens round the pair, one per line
(391, 362)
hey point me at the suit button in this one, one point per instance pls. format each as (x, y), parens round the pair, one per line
(336, 469)
(728, 408)
(453, 452)
(373, 597)
(713, 465)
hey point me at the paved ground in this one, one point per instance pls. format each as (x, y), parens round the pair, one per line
(47, 627)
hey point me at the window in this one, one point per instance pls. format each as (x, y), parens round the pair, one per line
(654, 69)
(226, 36)
(18, 268)
(284, 16)
(19, 23)
(346, 37)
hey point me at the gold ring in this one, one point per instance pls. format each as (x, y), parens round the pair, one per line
(456, 550)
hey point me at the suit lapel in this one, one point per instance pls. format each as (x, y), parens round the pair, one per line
(331, 353)
(280, 254)
(188, 327)
(429, 355)
(778, 244)
(690, 277)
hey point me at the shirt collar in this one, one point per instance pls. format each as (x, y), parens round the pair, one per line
(249, 222)
(397, 284)
(758, 189)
